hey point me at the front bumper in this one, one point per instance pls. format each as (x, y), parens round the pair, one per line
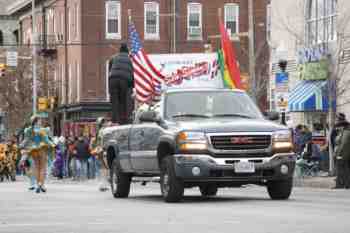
(222, 169)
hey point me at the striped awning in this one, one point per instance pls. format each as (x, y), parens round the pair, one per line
(309, 96)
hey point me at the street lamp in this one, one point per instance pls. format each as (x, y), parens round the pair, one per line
(283, 66)
(34, 58)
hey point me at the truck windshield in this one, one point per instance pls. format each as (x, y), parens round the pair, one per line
(210, 104)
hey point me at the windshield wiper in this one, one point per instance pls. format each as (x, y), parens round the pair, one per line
(232, 115)
(190, 115)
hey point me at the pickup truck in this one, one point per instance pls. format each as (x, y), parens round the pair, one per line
(206, 138)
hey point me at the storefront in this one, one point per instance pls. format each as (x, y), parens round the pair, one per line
(308, 100)
(80, 119)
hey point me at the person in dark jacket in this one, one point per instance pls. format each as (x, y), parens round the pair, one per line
(121, 84)
(82, 155)
(342, 151)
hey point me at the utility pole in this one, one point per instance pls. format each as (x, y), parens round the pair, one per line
(174, 26)
(252, 49)
(332, 85)
(34, 41)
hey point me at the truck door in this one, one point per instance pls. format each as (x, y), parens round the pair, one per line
(122, 138)
(144, 140)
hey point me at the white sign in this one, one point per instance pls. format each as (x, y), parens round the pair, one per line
(282, 91)
(195, 70)
(11, 58)
(313, 54)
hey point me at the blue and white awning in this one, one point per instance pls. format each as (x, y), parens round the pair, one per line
(309, 95)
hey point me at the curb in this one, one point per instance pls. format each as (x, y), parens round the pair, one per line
(315, 182)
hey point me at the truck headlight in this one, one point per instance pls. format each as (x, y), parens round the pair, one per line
(187, 140)
(282, 139)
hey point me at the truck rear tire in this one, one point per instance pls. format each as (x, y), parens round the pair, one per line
(208, 190)
(280, 189)
(120, 181)
(172, 187)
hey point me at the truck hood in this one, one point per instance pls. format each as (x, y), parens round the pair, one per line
(220, 125)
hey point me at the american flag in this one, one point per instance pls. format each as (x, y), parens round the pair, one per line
(147, 78)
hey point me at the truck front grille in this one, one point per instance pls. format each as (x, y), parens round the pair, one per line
(240, 142)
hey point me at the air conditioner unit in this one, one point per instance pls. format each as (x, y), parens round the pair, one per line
(195, 31)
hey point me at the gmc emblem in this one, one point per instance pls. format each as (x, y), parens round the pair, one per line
(241, 140)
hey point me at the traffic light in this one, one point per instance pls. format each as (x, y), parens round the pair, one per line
(43, 104)
(53, 102)
(2, 69)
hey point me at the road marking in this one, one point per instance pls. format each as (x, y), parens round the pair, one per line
(5, 225)
(170, 222)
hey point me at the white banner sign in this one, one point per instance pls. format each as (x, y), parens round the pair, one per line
(192, 70)
(11, 58)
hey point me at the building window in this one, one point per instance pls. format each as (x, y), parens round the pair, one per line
(16, 35)
(76, 21)
(63, 84)
(113, 20)
(321, 21)
(268, 22)
(78, 80)
(70, 84)
(151, 20)
(194, 21)
(231, 16)
(54, 19)
(48, 21)
(69, 23)
(62, 23)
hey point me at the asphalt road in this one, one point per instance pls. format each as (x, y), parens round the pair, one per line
(79, 207)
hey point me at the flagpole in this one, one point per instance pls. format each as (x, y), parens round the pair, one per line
(134, 94)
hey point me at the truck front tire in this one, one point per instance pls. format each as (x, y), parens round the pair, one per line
(120, 181)
(172, 187)
(280, 189)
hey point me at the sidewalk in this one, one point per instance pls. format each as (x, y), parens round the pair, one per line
(326, 182)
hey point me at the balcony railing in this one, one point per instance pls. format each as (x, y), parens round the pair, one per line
(48, 44)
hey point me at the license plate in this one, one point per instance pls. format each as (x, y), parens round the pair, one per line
(244, 167)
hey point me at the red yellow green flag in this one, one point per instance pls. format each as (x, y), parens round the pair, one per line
(229, 67)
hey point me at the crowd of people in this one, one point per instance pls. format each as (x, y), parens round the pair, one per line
(313, 155)
(40, 155)
(75, 158)
(305, 148)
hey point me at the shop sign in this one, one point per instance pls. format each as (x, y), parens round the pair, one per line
(282, 91)
(314, 70)
(313, 54)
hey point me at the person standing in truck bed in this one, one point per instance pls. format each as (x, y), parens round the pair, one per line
(121, 84)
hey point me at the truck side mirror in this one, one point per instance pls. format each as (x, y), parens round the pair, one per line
(272, 116)
(149, 116)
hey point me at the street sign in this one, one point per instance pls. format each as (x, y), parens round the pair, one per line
(11, 58)
(43, 104)
(282, 91)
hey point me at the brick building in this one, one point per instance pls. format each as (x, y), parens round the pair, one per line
(79, 36)
(8, 39)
